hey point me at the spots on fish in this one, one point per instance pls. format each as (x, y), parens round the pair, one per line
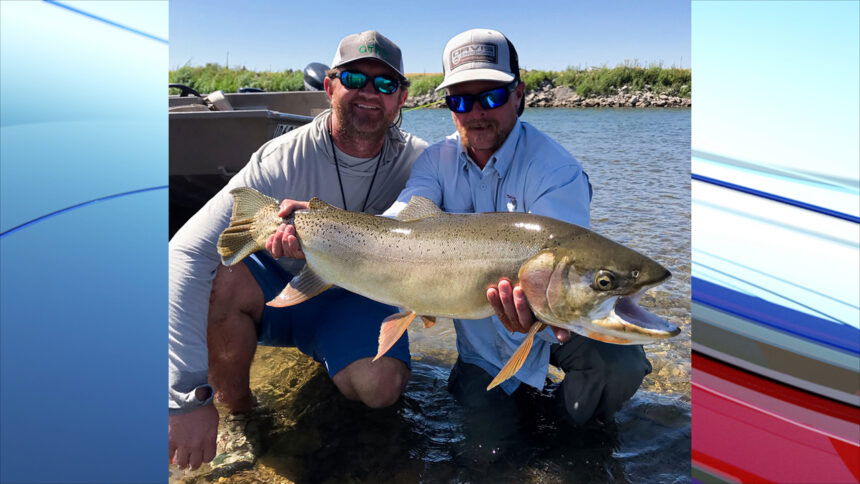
(438, 237)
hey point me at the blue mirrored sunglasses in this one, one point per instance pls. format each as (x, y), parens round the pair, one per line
(492, 99)
(357, 80)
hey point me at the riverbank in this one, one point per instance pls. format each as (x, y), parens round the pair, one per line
(627, 85)
(549, 96)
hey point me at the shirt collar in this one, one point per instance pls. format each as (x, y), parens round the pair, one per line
(502, 158)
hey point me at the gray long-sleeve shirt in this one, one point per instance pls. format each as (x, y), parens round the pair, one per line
(298, 165)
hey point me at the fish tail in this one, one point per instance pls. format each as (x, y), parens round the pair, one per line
(239, 239)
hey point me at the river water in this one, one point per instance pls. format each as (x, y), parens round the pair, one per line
(638, 161)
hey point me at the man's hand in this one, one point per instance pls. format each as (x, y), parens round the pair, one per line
(284, 242)
(513, 309)
(191, 437)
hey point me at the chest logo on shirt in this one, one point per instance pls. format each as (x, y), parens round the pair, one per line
(512, 203)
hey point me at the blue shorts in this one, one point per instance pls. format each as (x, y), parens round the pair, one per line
(335, 328)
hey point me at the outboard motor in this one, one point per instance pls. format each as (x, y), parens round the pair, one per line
(314, 75)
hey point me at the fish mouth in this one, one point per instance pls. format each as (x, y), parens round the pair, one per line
(629, 323)
(635, 317)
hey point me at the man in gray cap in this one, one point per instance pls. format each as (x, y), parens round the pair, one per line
(352, 156)
(495, 162)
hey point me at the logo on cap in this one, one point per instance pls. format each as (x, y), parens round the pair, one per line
(474, 53)
(372, 48)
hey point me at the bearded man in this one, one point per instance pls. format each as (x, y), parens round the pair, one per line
(352, 156)
(495, 162)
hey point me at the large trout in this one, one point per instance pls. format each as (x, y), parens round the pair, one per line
(437, 264)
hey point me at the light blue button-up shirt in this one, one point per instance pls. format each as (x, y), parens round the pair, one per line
(529, 173)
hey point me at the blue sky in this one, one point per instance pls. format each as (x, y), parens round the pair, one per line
(551, 35)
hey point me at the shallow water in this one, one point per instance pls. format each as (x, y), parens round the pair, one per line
(638, 163)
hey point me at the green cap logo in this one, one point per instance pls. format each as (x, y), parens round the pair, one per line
(372, 49)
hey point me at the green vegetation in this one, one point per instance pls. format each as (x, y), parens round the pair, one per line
(423, 83)
(592, 81)
(213, 77)
(605, 80)
(599, 81)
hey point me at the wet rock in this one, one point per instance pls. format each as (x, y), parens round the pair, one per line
(423, 99)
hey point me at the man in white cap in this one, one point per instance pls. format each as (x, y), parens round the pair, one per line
(495, 162)
(352, 156)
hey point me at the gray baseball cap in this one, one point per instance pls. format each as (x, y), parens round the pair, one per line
(479, 55)
(369, 44)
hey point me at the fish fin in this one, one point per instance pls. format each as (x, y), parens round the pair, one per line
(608, 339)
(418, 208)
(301, 288)
(247, 202)
(238, 241)
(391, 330)
(317, 204)
(518, 358)
(429, 321)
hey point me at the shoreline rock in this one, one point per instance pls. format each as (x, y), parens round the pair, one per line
(548, 96)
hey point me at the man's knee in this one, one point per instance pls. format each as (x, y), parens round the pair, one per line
(231, 333)
(376, 384)
(234, 290)
(388, 382)
(624, 368)
(603, 377)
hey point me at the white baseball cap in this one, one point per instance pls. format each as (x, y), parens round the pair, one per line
(479, 55)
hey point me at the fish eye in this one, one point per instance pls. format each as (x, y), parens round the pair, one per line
(604, 281)
(635, 274)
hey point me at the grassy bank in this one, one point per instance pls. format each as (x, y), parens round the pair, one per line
(599, 81)
(214, 77)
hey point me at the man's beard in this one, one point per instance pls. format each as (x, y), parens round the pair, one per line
(491, 124)
(349, 128)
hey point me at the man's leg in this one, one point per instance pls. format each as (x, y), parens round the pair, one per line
(599, 377)
(337, 328)
(343, 334)
(376, 384)
(468, 384)
(235, 305)
(492, 417)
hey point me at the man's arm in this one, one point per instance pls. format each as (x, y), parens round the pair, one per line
(193, 260)
(192, 436)
(192, 419)
(423, 181)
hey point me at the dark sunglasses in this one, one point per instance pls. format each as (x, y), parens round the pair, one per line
(357, 80)
(492, 99)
